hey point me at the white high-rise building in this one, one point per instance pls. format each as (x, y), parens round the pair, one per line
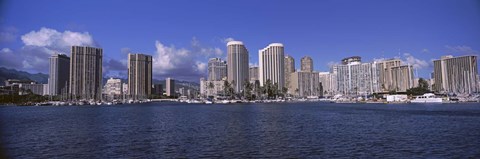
(170, 87)
(354, 77)
(271, 65)
(86, 73)
(328, 83)
(217, 69)
(237, 64)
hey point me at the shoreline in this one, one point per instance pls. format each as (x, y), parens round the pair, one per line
(221, 102)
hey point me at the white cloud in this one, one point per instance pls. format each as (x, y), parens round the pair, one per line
(57, 41)
(183, 63)
(415, 62)
(461, 49)
(253, 64)
(40, 45)
(208, 52)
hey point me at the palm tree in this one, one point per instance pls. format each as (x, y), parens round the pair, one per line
(211, 86)
(247, 91)
(275, 90)
(297, 92)
(226, 87)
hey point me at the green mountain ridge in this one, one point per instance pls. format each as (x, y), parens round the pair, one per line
(6, 73)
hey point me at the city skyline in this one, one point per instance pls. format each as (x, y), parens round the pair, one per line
(418, 33)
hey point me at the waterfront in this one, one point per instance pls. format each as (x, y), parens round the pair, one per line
(271, 130)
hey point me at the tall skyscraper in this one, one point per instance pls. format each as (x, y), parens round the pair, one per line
(237, 64)
(253, 73)
(354, 77)
(139, 76)
(86, 73)
(170, 87)
(306, 64)
(402, 78)
(272, 61)
(384, 80)
(59, 74)
(289, 69)
(327, 81)
(457, 75)
(217, 69)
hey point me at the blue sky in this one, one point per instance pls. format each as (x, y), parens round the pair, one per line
(182, 35)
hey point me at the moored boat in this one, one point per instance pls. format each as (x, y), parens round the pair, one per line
(427, 98)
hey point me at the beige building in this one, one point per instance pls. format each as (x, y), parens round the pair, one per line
(457, 75)
(237, 64)
(289, 69)
(306, 64)
(385, 81)
(139, 76)
(271, 65)
(402, 78)
(86, 73)
(253, 73)
(304, 84)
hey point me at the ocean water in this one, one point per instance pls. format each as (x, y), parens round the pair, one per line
(273, 130)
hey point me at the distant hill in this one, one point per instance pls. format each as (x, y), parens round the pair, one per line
(6, 73)
(178, 84)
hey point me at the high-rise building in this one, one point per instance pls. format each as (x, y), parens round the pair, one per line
(86, 73)
(253, 73)
(211, 88)
(305, 83)
(306, 64)
(113, 89)
(139, 76)
(217, 69)
(289, 69)
(327, 83)
(402, 78)
(354, 77)
(170, 87)
(383, 70)
(59, 74)
(457, 75)
(272, 61)
(237, 64)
